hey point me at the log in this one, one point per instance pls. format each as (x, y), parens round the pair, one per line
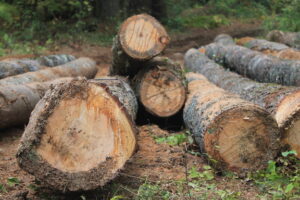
(281, 101)
(80, 134)
(16, 99)
(80, 67)
(270, 48)
(140, 38)
(160, 87)
(224, 39)
(291, 39)
(239, 135)
(254, 64)
(13, 66)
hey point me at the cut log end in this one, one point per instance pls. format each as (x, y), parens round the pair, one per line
(288, 118)
(292, 137)
(243, 138)
(143, 37)
(83, 140)
(162, 92)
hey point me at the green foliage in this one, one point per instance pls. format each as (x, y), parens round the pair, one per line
(152, 191)
(285, 16)
(12, 181)
(8, 14)
(281, 179)
(207, 174)
(2, 189)
(175, 139)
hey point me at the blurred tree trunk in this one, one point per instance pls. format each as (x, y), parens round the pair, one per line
(107, 9)
(110, 9)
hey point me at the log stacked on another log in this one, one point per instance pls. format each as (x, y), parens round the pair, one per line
(80, 67)
(80, 134)
(160, 87)
(140, 38)
(291, 39)
(157, 81)
(270, 48)
(13, 66)
(281, 101)
(256, 65)
(238, 134)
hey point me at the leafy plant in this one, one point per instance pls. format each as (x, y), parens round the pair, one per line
(2, 189)
(175, 139)
(12, 181)
(281, 178)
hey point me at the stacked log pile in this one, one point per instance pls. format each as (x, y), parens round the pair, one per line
(255, 65)
(270, 48)
(291, 39)
(82, 132)
(281, 101)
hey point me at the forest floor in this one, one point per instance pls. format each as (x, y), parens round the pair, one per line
(159, 169)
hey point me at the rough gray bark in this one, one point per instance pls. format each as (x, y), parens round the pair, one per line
(255, 65)
(99, 126)
(281, 101)
(16, 99)
(160, 87)
(222, 123)
(224, 39)
(260, 45)
(85, 67)
(291, 39)
(270, 48)
(10, 67)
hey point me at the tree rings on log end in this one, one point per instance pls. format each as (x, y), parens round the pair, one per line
(162, 92)
(78, 138)
(242, 138)
(143, 37)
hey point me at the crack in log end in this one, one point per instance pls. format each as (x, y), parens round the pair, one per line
(143, 37)
(79, 135)
(162, 92)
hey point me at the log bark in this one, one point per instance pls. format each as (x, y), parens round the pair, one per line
(80, 67)
(160, 87)
(16, 99)
(291, 39)
(255, 65)
(270, 48)
(239, 135)
(12, 66)
(140, 38)
(281, 101)
(80, 134)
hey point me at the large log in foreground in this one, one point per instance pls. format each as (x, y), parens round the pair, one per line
(16, 99)
(160, 87)
(291, 39)
(281, 101)
(80, 134)
(12, 66)
(140, 38)
(254, 64)
(85, 67)
(238, 134)
(270, 48)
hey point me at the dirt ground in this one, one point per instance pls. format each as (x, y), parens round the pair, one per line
(153, 162)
